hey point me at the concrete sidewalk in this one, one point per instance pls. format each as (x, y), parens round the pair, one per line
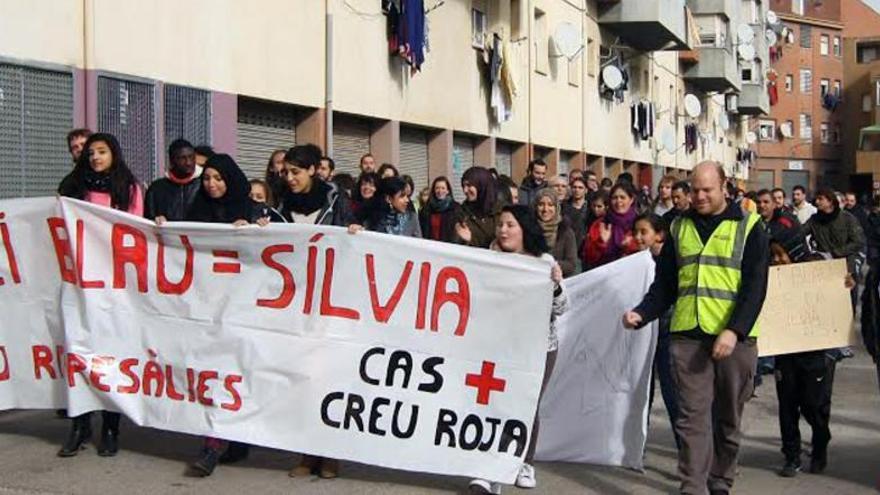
(153, 461)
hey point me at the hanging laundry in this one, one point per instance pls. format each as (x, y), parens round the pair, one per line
(497, 98)
(831, 101)
(642, 118)
(406, 30)
(773, 92)
(391, 9)
(691, 138)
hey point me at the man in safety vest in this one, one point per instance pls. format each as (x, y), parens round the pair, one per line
(714, 269)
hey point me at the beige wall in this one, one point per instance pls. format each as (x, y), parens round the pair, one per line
(273, 51)
(44, 31)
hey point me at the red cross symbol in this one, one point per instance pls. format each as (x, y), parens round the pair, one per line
(485, 382)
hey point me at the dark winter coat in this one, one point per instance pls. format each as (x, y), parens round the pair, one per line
(838, 234)
(169, 199)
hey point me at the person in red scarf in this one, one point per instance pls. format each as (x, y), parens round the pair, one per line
(610, 237)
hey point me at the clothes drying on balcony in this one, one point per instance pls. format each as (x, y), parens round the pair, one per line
(773, 92)
(642, 118)
(831, 101)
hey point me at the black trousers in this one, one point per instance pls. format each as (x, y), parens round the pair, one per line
(804, 382)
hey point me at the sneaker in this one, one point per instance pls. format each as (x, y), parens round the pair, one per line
(791, 468)
(484, 486)
(206, 463)
(526, 477)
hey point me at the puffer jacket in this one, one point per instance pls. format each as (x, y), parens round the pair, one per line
(842, 237)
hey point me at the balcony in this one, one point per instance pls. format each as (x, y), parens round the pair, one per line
(727, 8)
(717, 70)
(762, 49)
(647, 25)
(753, 99)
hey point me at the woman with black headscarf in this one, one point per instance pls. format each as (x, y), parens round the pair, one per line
(476, 227)
(224, 197)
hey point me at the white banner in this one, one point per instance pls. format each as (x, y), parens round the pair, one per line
(385, 350)
(596, 404)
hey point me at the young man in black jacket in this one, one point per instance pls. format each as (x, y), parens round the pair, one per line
(169, 198)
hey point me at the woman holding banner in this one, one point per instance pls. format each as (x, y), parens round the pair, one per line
(224, 197)
(519, 232)
(392, 215)
(100, 177)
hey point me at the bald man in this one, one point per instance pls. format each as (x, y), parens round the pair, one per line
(713, 269)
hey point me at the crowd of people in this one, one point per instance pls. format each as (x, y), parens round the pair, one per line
(712, 244)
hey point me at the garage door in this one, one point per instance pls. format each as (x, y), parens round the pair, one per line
(36, 112)
(351, 141)
(263, 127)
(126, 109)
(462, 159)
(762, 179)
(791, 178)
(414, 155)
(503, 158)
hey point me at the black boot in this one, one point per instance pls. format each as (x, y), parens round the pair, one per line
(236, 451)
(109, 435)
(791, 468)
(80, 433)
(819, 461)
(206, 463)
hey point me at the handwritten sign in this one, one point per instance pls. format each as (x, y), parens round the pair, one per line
(807, 308)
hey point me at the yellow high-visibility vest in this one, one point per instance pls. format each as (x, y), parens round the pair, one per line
(710, 275)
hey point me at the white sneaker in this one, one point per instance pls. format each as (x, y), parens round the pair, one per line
(526, 477)
(484, 486)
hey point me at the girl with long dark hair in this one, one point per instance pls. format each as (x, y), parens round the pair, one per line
(364, 197)
(275, 176)
(392, 214)
(519, 232)
(610, 238)
(100, 177)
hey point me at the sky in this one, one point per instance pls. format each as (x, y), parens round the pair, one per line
(873, 3)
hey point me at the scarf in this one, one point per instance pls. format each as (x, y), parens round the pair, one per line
(394, 222)
(439, 205)
(552, 227)
(309, 202)
(621, 226)
(96, 181)
(825, 218)
(180, 181)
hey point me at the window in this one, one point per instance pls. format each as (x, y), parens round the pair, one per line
(797, 7)
(806, 36)
(866, 103)
(823, 44)
(824, 133)
(867, 53)
(837, 46)
(767, 130)
(837, 89)
(806, 126)
(478, 27)
(542, 55)
(574, 71)
(592, 57)
(187, 114)
(787, 129)
(824, 86)
(789, 83)
(806, 81)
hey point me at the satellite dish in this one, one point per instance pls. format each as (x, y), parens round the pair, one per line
(692, 105)
(567, 40)
(724, 122)
(786, 130)
(746, 52)
(771, 36)
(751, 137)
(612, 77)
(745, 33)
(667, 139)
(772, 18)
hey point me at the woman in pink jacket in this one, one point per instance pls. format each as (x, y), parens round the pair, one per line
(100, 176)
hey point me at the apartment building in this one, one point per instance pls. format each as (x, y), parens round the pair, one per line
(250, 78)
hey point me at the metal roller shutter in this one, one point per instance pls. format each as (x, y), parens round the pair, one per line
(791, 178)
(36, 112)
(187, 114)
(351, 141)
(263, 127)
(126, 110)
(414, 156)
(462, 159)
(564, 163)
(503, 158)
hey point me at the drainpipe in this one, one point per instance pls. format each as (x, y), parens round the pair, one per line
(91, 116)
(328, 85)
